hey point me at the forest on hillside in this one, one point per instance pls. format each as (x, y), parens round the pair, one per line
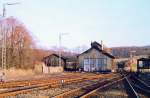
(123, 52)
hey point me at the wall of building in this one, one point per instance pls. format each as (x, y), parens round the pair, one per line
(42, 68)
(52, 69)
(53, 61)
(95, 54)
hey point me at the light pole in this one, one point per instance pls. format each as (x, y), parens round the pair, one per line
(4, 36)
(4, 7)
(132, 53)
(60, 38)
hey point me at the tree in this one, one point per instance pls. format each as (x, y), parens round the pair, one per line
(19, 43)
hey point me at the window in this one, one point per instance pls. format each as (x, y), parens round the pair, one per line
(105, 61)
(140, 64)
(102, 61)
(99, 62)
(86, 61)
(95, 63)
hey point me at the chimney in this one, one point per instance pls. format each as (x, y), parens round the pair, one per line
(102, 45)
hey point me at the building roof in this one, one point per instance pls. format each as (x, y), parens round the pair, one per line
(72, 58)
(96, 45)
(68, 58)
(55, 55)
(144, 59)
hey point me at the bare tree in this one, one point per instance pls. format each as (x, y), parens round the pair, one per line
(19, 44)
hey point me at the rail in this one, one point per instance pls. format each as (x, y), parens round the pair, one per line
(13, 84)
(132, 91)
(101, 87)
(93, 88)
(87, 89)
(140, 86)
(44, 85)
(140, 82)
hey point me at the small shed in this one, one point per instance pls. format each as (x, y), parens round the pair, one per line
(51, 64)
(143, 65)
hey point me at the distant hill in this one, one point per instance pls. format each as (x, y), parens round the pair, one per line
(125, 51)
(121, 52)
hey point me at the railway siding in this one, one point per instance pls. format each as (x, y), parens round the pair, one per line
(45, 84)
(94, 90)
(79, 92)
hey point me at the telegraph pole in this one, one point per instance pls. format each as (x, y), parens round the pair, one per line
(60, 38)
(4, 37)
(59, 49)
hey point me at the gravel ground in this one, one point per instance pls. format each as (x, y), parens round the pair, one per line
(145, 78)
(115, 91)
(48, 93)
(52, 91)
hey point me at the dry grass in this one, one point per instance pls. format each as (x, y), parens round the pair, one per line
(12, 74)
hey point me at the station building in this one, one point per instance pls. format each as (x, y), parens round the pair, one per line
(96, 59)
(51, 64)
(143, 65)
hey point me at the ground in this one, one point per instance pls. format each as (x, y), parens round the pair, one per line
(20, 75)
(87, 78)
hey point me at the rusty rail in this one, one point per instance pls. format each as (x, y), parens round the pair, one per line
(88, 89)
(14, 84)
(44, 85)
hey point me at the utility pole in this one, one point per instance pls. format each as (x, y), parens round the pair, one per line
(59, 49)
(60, 38)
(4, 37)
(132, 54)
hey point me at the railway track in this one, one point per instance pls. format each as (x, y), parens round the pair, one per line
(128, 90)
(25, 86)
(13, 84)
(139, 82)
(131, 93)
(86, 90)
(140, 86)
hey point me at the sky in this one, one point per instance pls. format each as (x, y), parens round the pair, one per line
(116, 22)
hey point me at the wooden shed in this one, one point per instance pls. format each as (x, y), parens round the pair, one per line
(51, 64)
(96, 59)
(143, 65)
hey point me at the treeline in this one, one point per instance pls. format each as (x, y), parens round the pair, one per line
(124, 52)
(21, 48)
(19, 44)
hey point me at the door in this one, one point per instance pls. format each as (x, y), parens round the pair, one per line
(86, 65)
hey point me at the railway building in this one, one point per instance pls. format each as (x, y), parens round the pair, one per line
(143, 65)
(96, 59)
(72, 63)
(130, 63)
(51, 64)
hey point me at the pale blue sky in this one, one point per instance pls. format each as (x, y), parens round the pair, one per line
(116, 22)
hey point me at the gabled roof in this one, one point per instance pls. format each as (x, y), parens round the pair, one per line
(98, 49)
(144, 59)
(54, 55)
(67, 58)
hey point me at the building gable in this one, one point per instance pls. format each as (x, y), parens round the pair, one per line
(98, 51)
(98, 47)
